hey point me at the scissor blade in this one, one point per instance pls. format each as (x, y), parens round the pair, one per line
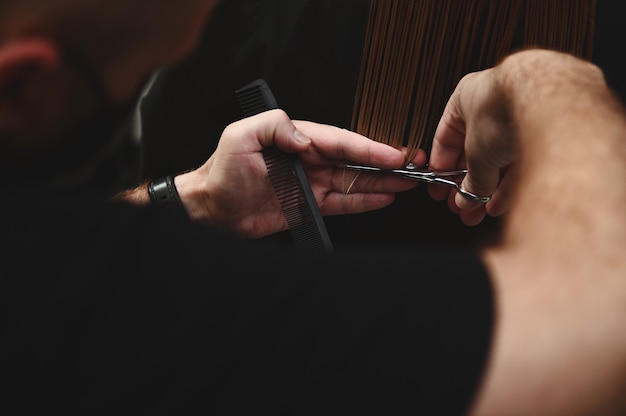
(410, 172)
(425, 175)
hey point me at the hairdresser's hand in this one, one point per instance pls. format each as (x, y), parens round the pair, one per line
(475, 133)
(232, 188)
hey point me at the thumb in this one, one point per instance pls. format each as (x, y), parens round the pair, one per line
(481, 180)
(300, 140)
(292, 140)
(488, 149)
(279, 129)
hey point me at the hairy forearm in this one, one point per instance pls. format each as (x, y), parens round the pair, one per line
(191, 196)
(136, 196)
(559, 270)
(571, 134)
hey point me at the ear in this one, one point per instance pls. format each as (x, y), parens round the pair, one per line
(17, 57)
(22, 61)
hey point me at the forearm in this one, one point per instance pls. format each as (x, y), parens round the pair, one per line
(571, 135)
(559, 345)
(137, 196)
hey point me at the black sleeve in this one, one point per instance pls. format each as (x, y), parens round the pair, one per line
(141, 312)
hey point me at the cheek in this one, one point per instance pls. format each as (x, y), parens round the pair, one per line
(191, 29)
(166, 50)
(69, 100)
(166, 47)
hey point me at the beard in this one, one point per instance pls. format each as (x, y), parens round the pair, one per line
(75, 131)
(75, 157)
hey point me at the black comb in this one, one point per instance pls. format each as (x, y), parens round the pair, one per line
(285, 171)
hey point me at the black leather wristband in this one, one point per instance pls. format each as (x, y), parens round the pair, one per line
(163, 192)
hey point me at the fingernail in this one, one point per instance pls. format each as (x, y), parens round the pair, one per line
(301, 137)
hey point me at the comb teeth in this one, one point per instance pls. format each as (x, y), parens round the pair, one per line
(296, 200)
(285, 171)
(255, 98)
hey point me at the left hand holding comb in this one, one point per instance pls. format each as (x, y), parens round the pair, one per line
(231, 189)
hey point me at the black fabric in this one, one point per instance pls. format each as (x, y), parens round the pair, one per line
(109, 308)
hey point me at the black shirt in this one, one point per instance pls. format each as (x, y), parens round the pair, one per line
(107, 307)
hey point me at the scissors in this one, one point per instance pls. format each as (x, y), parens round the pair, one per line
(440, 177)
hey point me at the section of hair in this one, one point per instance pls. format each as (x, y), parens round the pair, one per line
(415, 52)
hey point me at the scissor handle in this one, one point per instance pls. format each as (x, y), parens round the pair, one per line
(459, 188)
(440, 178)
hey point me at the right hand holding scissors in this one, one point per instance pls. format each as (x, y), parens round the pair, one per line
(475, 133)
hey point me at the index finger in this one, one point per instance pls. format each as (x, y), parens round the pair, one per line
(448, 144)
(449, 140)
(341, 144)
